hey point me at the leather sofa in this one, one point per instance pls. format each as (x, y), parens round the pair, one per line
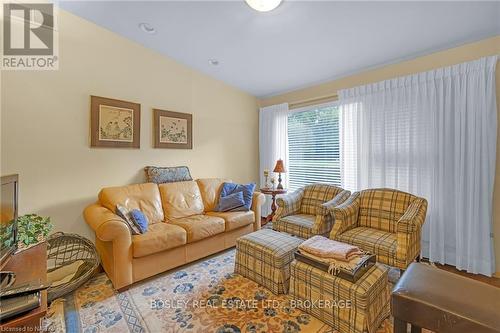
(183, 227)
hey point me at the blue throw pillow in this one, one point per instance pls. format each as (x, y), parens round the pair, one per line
(230, 202)
(139, 219)
(123, 212)
(247, 191)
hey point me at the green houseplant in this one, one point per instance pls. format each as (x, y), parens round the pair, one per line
(32, 229)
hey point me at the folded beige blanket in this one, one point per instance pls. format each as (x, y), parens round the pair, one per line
(333, 264)
(329, 249)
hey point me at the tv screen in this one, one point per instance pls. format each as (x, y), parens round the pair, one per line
(8, 216)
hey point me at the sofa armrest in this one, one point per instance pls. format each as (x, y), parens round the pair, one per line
(257, 202)
(328, 206)
(345, 215)
(109, 227)
(414, 217)
(288, 204)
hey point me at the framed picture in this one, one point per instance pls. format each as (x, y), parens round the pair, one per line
(172, 129)
(114, 123)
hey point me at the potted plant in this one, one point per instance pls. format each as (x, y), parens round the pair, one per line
(31, 230)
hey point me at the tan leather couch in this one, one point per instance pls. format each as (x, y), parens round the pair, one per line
(182, 227)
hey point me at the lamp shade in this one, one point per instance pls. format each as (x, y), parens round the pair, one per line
(280, 167)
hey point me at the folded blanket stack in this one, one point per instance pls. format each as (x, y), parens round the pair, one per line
(335, 254)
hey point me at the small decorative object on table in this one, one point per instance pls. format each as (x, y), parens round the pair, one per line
(266, 178)
(279, 168)
(273, 193)
(273, 183)
(32, 229)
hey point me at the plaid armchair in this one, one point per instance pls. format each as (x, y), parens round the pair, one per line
(306, 212)
(384, 222)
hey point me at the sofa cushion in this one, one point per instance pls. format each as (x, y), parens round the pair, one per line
(381, 243)
(300, 225)
(159, 237)
(145, 197)
(234, 220)
(210, 191)
(181, 199)
(200, 226)
(382, 208)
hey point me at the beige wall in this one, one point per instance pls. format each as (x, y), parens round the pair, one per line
(45, 122)
(456, 55)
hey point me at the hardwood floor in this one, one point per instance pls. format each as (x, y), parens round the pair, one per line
(478, 277)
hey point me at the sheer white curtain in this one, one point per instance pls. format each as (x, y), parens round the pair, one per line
(273, 143)
(432, 134)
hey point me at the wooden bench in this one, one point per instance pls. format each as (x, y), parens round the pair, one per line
(431, 298)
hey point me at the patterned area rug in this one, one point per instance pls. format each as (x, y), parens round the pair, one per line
(201, 297)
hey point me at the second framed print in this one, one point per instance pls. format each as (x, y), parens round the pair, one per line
(172, 129)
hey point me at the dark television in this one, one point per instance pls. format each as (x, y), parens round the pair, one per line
(8, 215)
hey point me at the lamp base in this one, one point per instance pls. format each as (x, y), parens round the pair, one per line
(280, 186)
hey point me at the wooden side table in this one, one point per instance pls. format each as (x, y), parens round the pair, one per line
(273, 193)
(29, 265)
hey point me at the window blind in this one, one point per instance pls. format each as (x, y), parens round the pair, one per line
(313, 142)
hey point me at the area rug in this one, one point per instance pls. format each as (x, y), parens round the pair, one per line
(184, 300)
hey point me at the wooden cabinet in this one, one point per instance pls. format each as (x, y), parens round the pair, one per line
(29, 265)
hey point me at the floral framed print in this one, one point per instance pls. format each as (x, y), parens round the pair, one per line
(172, 129)
(114, 123)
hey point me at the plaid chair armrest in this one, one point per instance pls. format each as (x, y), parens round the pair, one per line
(345, 215)
(414, 217)
(288, 204)
(325, 208)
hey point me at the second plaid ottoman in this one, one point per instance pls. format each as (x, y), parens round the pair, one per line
(264, 256)
(347, 307)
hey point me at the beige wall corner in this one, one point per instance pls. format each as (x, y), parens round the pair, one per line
(45, 122)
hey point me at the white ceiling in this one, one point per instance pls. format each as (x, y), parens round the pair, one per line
(301, 42)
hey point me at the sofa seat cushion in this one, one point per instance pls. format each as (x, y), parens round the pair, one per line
(181, 199)
(200, 226)
(378, 242)
(300, 225)
(235, 220)
(159, 237)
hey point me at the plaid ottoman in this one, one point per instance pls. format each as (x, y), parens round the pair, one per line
(264, 256)
(347, 307)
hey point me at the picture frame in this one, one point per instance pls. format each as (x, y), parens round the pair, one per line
(172, 130)
(114, 123)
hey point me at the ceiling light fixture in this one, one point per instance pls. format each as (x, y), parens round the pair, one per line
(263, 5)
(213, 62)
(147, 28)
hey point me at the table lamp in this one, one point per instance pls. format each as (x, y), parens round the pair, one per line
(279, 168)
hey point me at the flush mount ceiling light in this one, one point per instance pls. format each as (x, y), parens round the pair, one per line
(147, 28)
(263, 5)
(213, 62)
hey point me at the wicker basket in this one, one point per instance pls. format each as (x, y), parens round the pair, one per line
(64, 249)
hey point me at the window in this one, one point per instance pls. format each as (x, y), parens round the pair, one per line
(313, 142)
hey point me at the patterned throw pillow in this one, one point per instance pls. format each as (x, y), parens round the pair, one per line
(247, 191)
(139, 219)
(160, 175)
(123, 212)
(230, 202)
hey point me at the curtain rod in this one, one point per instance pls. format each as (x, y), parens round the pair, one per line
(313, 101)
